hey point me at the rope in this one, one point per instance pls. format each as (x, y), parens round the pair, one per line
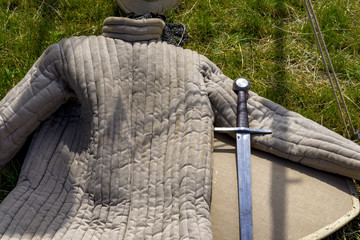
(322, 49)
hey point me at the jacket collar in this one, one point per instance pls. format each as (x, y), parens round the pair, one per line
(132, 30)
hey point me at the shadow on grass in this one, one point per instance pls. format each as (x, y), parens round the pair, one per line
(278, 90)
(40, 37)
(279, 87)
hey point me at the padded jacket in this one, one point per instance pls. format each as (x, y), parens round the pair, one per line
(122, 147)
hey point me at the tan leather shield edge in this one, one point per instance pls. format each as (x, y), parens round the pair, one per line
(290, 201)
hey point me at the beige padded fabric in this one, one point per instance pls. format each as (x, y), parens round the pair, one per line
(123, 142)
(290, 201)
(127, 158)
(132, 30)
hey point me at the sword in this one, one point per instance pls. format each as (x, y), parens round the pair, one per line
(243, 157)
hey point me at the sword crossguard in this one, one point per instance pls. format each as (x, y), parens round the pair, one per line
(242, 130)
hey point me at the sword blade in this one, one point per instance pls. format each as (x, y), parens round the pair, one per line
(243, 156)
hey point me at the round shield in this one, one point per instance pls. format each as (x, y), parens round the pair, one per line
(290, 201)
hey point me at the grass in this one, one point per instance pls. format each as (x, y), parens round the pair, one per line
(270, 42)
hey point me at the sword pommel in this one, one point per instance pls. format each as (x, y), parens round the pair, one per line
(242, 85)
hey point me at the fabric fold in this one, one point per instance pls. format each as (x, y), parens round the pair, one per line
(133, 29)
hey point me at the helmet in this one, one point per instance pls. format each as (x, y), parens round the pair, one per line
(140, 7)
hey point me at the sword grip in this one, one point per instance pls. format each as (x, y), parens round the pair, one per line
(242, 86)
(242, 118)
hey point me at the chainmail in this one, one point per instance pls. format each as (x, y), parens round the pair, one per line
(173, 33)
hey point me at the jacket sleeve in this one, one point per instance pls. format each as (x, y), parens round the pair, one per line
(32, 100)
(294, 137)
